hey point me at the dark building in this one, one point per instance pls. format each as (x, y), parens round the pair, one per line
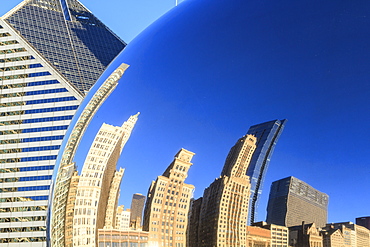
(267, 134)
(292, 201)
(137, 206)
(363, 221)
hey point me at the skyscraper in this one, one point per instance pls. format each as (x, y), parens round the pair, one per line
(267, 136)
(224, 207)
(137, 206)
(51, 53)
(292, 201)
(168, 202)
(97, 194)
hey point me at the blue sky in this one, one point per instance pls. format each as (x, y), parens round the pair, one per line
(208, 70)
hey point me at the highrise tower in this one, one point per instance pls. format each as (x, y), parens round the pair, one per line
(267, 136)
(168, 202)
(292, 201)
(51, 53)
(137, 206)
(98, 187)
(224, 208)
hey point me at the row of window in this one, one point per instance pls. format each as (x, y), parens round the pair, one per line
(36, 120)
(28, 66)
(31, 130)
(29, 188)
(29, 84)
(23, 209)
(23, 229)
(22, 240)
(4, 34)
(27, 159)
(26, 169)
(34, 139)
(24, 179)
(31, 149)
(12, 50)
(38, 92)
(43, 110)
(24, 199)
(11, 42)
(22, 76)
(23, 219)
(16, 59)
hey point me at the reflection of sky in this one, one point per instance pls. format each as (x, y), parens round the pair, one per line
(206, 72)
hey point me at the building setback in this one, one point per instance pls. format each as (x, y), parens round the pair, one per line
(168, 202)
(224, 207)
(267, 135)
(292, 201)
(51, 53)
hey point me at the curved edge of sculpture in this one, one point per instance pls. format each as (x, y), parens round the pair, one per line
(64, 168)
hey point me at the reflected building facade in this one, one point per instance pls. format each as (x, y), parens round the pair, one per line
(220, 217)
(95, 205)
(267, 134)
(168, 202)
(293, 201)
(51, 53)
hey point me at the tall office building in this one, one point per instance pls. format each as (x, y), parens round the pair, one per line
(292, 201)
(137, 206)
(51, 53)
(224, 207)
(363, 221)
(267, 136)
(168, 202)
(97, 194)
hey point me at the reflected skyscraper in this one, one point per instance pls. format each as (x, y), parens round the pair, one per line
(267, 134)
(51, 53)
(292, 201)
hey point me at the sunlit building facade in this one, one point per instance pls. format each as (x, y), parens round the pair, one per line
(51, 53)
(97, 193)
(224, 207)
(168, 202)
(267, 135)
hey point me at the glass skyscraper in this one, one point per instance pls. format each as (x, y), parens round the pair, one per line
(51, 53)
(267, 134)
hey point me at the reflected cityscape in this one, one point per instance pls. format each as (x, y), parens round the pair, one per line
(58, 65)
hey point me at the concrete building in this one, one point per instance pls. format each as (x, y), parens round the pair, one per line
(51, 53)
(332, 238)
(121, 238)
(258, 237)
(168, 202)
(279, 234)
(305, 235)
(224, 208)
(267, 135)
(292, 201)
(122, 219)
(98, 186)
(354, 234)
(137, 206)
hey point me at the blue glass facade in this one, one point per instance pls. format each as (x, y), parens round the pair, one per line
(267, 134)
(69, 36)
(52, 52)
